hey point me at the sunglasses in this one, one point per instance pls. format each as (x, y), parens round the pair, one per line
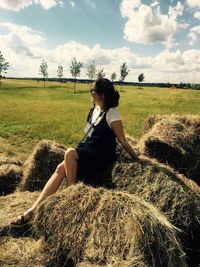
(92, 91)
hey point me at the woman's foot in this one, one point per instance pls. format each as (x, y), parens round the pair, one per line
(22, 220)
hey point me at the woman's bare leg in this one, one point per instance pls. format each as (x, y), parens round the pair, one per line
(67, 168)
(71, 164)
(52, 185)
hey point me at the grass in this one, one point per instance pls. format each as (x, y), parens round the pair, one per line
(29, 112)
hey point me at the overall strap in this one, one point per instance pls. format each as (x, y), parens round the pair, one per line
(89, 116)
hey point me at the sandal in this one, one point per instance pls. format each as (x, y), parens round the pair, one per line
(21, 221)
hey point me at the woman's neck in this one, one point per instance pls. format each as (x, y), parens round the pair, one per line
(100, 106)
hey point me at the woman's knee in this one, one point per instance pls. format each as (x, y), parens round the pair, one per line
(71, 154)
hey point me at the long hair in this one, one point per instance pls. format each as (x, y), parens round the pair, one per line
(105, 87)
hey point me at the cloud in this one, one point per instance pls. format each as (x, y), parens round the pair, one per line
(155, 3)
(24, 48)
(193, 34)
(193, 3)
(17, 5)
(147, 25)
(197, 15)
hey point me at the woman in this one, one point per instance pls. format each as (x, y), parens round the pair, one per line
(95, 153)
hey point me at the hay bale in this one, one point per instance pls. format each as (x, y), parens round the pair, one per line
(136, 262)
(187, 120)
(169, 192)
(175, 143)
(10, 176)
(6, 160)
(100, 226)
(41, 164)
(21, 252)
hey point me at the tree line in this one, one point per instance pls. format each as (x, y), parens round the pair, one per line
(75, 69)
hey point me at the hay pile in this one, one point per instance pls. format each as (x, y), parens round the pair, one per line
(41, 164)
(174, 140)
(99, 226)
(18, 247)
(10, 176)
(21, 252)
(187, 120)
(169, 192)
(6, 160)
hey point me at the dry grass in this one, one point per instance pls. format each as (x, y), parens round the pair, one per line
(174, 140)
(10, 160)
(169, 192)
(21, 252)
(187, 120)
(18, 247)
(41, 164)
(100, 226)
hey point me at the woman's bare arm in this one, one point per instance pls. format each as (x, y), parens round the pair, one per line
(117, 127)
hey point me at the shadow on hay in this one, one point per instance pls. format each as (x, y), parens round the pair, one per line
(174, 140)
(41, 164)
(10, 176)
(170, 192)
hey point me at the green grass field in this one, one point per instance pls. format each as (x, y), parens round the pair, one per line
(29, 112)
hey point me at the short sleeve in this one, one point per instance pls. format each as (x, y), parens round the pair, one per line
(112, 115)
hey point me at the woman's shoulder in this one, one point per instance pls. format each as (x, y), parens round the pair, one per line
(112, 110)
(112, 115)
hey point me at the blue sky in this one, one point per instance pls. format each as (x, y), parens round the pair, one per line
(158, 38)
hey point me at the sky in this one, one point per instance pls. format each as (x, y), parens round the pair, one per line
(159, 38)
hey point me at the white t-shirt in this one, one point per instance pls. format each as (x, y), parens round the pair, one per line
(111, 116)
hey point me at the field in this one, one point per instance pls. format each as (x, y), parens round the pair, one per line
(29, 112)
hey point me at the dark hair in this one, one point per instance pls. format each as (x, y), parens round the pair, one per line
(111, 96)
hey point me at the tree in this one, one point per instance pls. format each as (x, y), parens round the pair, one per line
(123, 73)
(3, 66)
(43, 70)
(141, 77)
(75, 70)
(60, 72)
(113, 76)
(100, 73)
(91, 71)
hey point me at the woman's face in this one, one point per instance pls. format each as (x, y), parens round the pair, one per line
(95, 97)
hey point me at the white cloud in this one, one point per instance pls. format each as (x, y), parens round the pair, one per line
(17, 5)
(155, 3)
(127, 7)
(148, 25)
(193, 3)
(193, 34)
(197, 15)
(176, 11)
(25, 48)
(192, 38)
